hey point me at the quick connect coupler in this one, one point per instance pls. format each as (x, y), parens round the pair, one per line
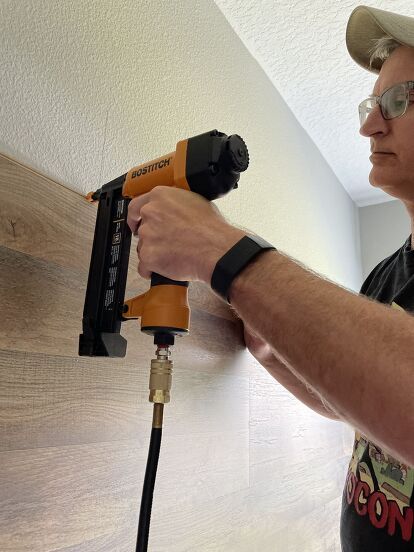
(161, 376)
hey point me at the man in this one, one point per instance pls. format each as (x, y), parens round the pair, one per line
(347, 356)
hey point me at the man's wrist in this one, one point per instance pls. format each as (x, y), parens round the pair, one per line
(235, 261)
(227, 237)
(249, 274)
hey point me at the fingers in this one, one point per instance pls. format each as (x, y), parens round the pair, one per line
(142, 271)
(134, 211)
(134, 221)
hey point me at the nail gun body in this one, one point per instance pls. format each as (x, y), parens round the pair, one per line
(208, 164)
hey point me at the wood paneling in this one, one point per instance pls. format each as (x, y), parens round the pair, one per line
(51, 223)
(41, 303)
(243, 467)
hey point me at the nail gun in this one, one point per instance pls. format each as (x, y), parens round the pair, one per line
(208, 164)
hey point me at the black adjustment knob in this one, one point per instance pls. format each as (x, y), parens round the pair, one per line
(235, 155)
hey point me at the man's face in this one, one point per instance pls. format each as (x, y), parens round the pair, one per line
(393, 171)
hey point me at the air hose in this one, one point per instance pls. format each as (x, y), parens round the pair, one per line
(160, 385)
(149, 481)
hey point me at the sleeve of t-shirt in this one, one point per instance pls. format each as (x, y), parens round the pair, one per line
(375, 272)
(370, 277)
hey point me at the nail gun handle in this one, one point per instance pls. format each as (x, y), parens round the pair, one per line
(166, 312)
(158, 280)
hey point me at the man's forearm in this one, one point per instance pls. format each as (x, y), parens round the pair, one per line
(357, 354)
(298, 388)
(270, 360)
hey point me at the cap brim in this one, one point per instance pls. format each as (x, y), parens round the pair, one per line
(366, 24)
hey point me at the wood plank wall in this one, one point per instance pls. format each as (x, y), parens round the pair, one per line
(243, 467)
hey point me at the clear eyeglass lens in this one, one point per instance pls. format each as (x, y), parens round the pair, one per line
(393, 103)
(365, 109)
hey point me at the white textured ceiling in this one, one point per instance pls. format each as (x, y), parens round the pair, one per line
(300, 44)
(84, 84)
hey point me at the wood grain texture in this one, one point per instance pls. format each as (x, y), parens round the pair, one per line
(53, 401)
(51, 223)
(42, 301)
(243, 467)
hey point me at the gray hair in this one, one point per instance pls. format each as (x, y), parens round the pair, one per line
(383, 48)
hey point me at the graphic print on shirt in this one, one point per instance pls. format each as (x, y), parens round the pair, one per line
(381, 487)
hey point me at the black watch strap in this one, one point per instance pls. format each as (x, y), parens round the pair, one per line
(234, 261)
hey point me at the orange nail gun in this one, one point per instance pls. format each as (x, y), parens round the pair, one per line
(208, 164)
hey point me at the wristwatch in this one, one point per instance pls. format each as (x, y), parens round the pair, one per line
(234, 261)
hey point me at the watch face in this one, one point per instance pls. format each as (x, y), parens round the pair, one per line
(260, 241)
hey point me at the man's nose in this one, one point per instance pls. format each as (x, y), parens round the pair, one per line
(374, 123)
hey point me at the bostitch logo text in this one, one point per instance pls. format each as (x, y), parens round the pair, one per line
(150, 168)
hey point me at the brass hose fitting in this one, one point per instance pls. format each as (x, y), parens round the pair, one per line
(161, 376)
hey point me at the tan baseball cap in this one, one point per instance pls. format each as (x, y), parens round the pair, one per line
(366, 23)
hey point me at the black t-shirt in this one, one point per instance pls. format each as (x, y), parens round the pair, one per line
(378, 499)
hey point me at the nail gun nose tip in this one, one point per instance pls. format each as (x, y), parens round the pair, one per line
(93, 196)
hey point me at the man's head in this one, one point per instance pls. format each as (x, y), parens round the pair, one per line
(391, 135)
(392, 140)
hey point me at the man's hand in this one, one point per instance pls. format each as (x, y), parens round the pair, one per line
(181, 234)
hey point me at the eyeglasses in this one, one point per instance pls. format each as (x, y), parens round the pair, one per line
(393, 102)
